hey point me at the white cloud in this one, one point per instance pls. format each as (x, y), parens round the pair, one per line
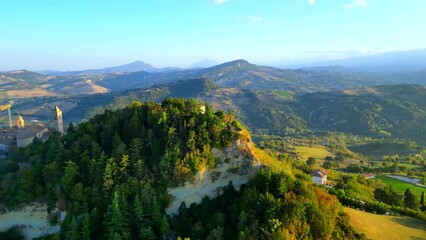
(219, 1)
(312, 2)
(356, 3)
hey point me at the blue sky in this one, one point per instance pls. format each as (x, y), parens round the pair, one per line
(80, 34)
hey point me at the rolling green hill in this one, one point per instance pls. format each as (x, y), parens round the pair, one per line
(397, 111)
(381, 111)
(389, 110)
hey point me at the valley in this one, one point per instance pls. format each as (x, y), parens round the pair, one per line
(349, 130)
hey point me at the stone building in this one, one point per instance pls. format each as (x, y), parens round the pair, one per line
(21, 135)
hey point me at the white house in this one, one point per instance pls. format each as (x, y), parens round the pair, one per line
(319, 177)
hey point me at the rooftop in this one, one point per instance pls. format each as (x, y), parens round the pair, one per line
(29, 131)
(319, 173)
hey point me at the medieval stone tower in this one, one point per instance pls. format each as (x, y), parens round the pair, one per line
(58, 124)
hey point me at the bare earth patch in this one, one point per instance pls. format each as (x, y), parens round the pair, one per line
(32, 220)
(26, 93)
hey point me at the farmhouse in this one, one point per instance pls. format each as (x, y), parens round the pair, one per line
(369, 175)
(319, 177)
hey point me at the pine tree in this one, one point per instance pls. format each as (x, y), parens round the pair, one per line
(73, 233)
(165, 227)
(70, 176)
(85, 231)
(138, 209)
(115, 221)
(135, 149)
(146, 233)
(156, 214)
(410, 199)
(109, 174)
(124, 164)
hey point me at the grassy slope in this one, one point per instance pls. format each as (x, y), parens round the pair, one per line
(401, 186)
(386, 227)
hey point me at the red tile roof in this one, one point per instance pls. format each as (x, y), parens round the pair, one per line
(319, 173)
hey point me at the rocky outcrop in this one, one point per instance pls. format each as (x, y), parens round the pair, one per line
(235, 164)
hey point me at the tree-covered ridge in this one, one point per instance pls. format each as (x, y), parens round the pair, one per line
(395, 111)
(93, 105)
(111, 176)
(386, 111)
(120, 163)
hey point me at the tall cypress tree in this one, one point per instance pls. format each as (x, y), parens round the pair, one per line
(410, 199)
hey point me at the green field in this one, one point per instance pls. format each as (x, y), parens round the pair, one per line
(378, 150)
(386, 227)
(400, 186)
(409, 165)
(317, 152)
(283, 93)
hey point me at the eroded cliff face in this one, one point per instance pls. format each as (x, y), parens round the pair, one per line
(236, 164)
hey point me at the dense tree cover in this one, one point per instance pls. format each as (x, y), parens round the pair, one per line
(380, 111)
(270, 118)
(111, 173)
(271, 206)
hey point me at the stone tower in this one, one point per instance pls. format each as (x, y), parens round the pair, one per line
(58, 124)
(20, 123)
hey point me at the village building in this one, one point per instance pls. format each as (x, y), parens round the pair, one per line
(319, 177)
(22, 135)
(369, 175)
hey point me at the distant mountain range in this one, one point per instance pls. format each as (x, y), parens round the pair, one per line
(382, 63)
(244, 75)
(131, 67)
(136, 66)
(236, 74)
(239, 74)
